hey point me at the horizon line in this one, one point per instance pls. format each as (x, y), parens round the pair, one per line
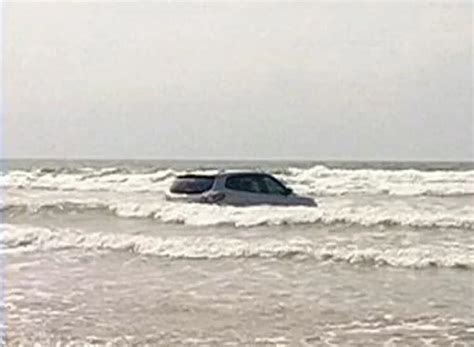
(244, 160)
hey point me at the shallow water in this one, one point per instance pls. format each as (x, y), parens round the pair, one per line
(93, 254)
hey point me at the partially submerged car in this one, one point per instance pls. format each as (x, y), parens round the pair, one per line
(235, 188)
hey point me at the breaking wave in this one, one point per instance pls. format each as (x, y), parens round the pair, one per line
(213, 215)
(26, 238)
(316, 181)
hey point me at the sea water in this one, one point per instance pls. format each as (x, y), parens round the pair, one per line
(94, 255)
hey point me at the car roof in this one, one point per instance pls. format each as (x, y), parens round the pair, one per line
(241, 173)
(224, 173)
(196, 176)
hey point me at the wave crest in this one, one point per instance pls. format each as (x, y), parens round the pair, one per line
(214, 215)
(316, 181)
(24, 238)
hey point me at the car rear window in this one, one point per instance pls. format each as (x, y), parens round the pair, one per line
(192, 184)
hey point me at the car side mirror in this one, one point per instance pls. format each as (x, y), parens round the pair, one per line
(288, 191)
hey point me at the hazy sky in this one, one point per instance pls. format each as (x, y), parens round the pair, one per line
(346, 80)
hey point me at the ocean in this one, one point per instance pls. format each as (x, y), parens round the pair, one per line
(93, 255)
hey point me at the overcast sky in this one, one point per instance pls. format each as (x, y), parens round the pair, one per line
(346, 80)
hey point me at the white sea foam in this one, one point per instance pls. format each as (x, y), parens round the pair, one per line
(322, 181)
(376, 197)
(28, 238)
(336, 212)
(318, 181)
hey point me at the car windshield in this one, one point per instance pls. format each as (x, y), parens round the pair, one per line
(192, 184)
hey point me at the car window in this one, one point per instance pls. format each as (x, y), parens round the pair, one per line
(244, 183)
(192, 184)
(273, 186)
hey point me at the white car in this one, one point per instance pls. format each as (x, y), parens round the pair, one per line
(236, 188)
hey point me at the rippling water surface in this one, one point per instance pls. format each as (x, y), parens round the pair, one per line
(94, 254)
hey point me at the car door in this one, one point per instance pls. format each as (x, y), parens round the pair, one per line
(245, 189)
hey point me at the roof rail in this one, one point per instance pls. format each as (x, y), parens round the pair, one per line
(249, 171)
